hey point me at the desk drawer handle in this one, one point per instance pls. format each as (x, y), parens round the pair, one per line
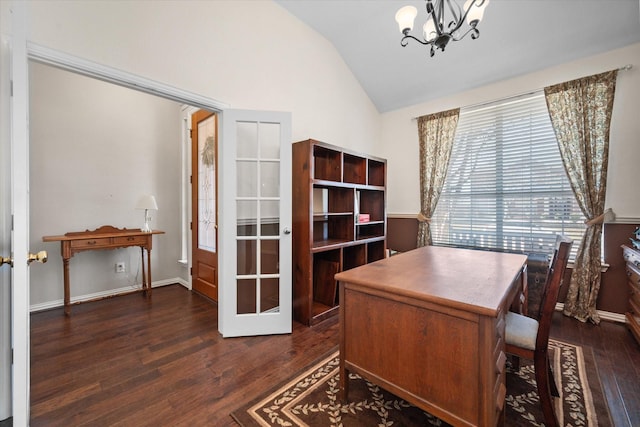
(501, 362)
(130, 239)
(91, 242)
(502, 393)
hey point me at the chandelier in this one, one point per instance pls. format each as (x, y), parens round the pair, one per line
(440, 28)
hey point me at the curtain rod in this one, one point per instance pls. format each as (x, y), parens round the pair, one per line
(529, 92)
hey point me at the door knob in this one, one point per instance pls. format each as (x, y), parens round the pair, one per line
(286, 230)
(39, 257)
(4, 261)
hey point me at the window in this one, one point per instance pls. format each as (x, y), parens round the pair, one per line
(506, 188)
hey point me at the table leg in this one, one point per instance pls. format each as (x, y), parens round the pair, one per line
(67, 296)
(149, 270)
(144, 273)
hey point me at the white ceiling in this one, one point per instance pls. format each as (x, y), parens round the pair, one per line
(516, 37)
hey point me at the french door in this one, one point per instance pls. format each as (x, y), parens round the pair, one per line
(255, 223)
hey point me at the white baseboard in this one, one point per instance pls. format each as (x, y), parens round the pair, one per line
(111, 292)
(604, 315)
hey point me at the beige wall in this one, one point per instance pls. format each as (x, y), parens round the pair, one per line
(399, 141)
(248, 54)
(95, 148)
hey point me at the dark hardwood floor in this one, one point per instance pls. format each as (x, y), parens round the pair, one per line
(131, 361)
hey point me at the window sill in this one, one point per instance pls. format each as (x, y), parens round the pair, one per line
(603, 267)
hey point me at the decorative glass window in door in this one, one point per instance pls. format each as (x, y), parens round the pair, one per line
(207, 184)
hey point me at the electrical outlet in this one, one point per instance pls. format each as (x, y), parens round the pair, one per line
(120, 268)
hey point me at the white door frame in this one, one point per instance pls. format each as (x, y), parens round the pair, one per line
(22, 51)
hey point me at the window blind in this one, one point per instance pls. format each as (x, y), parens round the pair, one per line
(506, 188)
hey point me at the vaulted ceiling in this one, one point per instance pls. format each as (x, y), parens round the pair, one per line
(516, 37)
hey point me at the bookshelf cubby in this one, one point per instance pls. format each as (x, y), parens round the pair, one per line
(332, 186)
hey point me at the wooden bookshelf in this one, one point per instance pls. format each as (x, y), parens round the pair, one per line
(331, 187)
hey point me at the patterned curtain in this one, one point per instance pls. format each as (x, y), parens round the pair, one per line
(580, 112)
(436, 132)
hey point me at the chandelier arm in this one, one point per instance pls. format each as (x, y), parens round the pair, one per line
(455, 13)
(475, 33)
(404, 41)
(439, 12)
(436, 16)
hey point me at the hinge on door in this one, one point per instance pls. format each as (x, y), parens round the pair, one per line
(190, 179)
(190, 226)
(191, 271)
(191, 133)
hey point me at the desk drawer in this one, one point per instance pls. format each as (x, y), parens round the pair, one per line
(89, 243)
(130, 240)
(634, 277)
(631, 256)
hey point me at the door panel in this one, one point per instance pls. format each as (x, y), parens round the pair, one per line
(255, 256)
(204, 187)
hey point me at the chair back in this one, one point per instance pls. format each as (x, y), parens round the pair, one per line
(555, 275)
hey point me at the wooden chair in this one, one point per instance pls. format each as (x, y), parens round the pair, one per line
(529, 338)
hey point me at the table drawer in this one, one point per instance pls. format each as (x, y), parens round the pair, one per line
(89, 243)
(130, 240)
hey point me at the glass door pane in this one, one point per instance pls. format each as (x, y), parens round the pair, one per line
(258, 217)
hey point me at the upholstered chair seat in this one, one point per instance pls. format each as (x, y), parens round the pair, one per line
(521, 331)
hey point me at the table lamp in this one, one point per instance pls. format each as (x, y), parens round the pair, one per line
(147, 202)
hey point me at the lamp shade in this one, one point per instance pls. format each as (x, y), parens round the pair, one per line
(477, 10)
(405, 17)
(429, 30)
(147, 202)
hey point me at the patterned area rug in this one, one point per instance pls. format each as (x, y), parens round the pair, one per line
(310, 399)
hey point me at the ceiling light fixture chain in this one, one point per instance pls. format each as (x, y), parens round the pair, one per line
(439, 30)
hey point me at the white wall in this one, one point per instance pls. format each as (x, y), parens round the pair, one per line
(399, 138)
(95, 148)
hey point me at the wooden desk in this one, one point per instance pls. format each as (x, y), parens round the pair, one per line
(105, 237)
(428, 325)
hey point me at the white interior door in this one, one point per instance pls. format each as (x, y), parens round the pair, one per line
(5, 226)
(19, 177)
(255, 223)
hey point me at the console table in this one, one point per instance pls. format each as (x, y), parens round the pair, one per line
(105, 237)
(428, 325)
